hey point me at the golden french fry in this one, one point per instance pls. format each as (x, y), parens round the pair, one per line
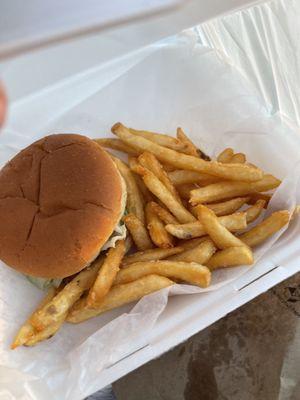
(236, 172)
(259, 196)
(193, 273)
(238, 158)
(166, 197)
(231, 257)
(221, 236)
(134, 197)
(116, 144)
(192, 243)
(159, 138)
(252, 213)
(106, 274)
(147, 195)
(163, 214)
(199, 254)
(149, 161)
(185, 190)
(27, 330)
(228, 206)
(150, 255)
(138, 232)
(266, 228)
(233, 223)
(55, 309)
(181, 177)
(191, 149)
(160, 237)
(168, 167)
(118, 296)
(225, 156)
(224, 190)
(46, 333)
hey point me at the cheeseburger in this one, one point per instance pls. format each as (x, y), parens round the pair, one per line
(61, 202)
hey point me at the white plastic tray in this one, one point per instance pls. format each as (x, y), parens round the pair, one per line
(173, 83)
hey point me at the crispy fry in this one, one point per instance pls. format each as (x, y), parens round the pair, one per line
(118, 296)
(266, 228)
(252, 213)
(116, 144)
(150, 255)
(54, 310)
(191, 149)
(46, 333)
(238, 158)
(134, 197)
(149, 161)
(228, 206)
(185, 190)
(199, 254)
(236, 172)
(193, 273)
(192, 243)
(166, 197)
(231, 257)
(160, 237)
(259, 196)
(227, 189)
(163, 214)
(138, 232)
(233, 223)
(225, 156)
(106, 274)
(147, 195)
(27, 330)
(159, 138)
(168, 167)
(181, 177)
(221, 236)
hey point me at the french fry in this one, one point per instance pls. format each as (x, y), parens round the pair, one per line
(168, 167)
(185, 190)
(118, 296)
(149, 161)
(134, 197)
(224, 190)
(228, 206)
(54, 310)
(160, 237)
(106, 274)
(238, 158)
(259, 196)
(199, 254)
(191, 149)
(231, 257)
(235, 172)
(193, 273)
(225, 156)
(147, 195)
(266, 228)
(233, 223)
(163, 214)
(181, 177)
(116, 144)
(47, 332)
(252, 213)
(221, 236)
(159, 138)
(138, 232)
(27, 330)
(150, 255)
(192, 243)
(166, 197)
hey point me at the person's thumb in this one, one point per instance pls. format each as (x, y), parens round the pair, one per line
(2, 105)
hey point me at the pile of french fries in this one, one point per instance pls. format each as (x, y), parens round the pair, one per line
(183, 221)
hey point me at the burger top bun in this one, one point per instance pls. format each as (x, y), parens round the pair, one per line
(60, 200)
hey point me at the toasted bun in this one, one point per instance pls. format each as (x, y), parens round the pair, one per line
(60, 200)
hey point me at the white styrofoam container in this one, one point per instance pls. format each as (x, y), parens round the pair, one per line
(42, 112)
